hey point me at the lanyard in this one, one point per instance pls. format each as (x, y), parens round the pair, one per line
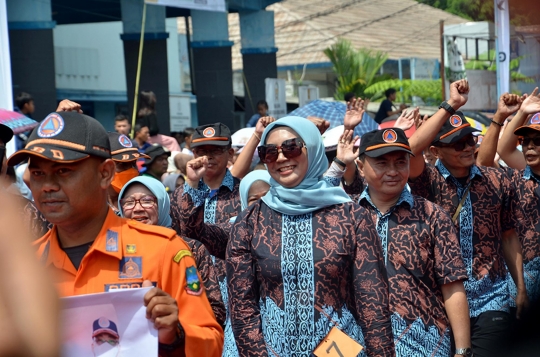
(461, 202)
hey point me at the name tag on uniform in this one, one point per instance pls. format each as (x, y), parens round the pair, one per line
(337, 344)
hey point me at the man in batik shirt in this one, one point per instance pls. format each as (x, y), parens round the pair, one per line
(420, 248)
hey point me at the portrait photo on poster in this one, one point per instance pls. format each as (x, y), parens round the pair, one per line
(108, 324)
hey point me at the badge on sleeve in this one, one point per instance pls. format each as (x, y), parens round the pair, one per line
(193, 286)
(112, 241)
(181, 253)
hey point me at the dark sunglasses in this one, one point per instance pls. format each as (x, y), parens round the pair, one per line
(527, 141)
(460, 145)
(290, 148)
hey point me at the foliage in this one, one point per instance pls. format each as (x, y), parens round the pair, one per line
(355, 69)
(428, 91)
(491, 65)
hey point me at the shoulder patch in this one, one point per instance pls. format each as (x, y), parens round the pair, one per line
(193, 286)
(181, 253)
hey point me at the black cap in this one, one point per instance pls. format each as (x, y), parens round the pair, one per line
(533, 124)
(66, 137)
(211, 134)
(454, 129)
(5, 133)
(122, 148)
(153, 152)
(380, 142)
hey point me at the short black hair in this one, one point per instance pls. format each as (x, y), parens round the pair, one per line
(262, 102)
(22, 99)
(362, 157)
(389, 92)
(349, 96)
(138, 127)
(188, 132)
(121, 117)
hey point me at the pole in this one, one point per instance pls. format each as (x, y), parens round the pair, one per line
(190, 56)
(138, 77)
(441, 69)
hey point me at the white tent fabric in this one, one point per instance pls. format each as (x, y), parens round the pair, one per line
(6, 95)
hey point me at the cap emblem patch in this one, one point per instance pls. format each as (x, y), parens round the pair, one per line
(209, 132)
(535, 119)
(455, 121)
(103, 322)
(389, 136)
(51, 126)
(124, 141)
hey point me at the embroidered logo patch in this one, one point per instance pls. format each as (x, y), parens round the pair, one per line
(455, 121)
(181, 253)
(103, 322)
(112, 241)
(124, 141)
(193, 286)
(130, 268)
(389, 136)
(131, 248)
(535, 119)
(209, 132)
(51, 126)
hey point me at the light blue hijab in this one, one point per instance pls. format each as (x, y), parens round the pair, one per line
(157, 188)
(250, 179)
(313, 192)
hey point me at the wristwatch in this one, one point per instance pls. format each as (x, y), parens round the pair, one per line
(444, 105)
(339, 162)
(467, 352)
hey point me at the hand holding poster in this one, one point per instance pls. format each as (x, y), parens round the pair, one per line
(108, 324)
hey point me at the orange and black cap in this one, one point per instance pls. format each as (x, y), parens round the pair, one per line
(153, 152)
(123, 149)
(217, 134)
(65, 137)
(454, 129)
(533, 124)
(380, 142)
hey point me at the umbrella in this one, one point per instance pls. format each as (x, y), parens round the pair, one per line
(334, 112)
(17, 122)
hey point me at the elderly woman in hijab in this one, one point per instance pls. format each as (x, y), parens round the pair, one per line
(305, 259)
(145, 199)
(253, 187)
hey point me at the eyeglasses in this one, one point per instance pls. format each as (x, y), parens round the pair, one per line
(145, 202)
(212, 152)
(527, 141)
(101, 341)
(290, 148)
(471, 140)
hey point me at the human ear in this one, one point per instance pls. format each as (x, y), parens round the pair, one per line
(107, 170)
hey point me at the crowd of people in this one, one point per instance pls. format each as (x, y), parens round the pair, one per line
(404, 246)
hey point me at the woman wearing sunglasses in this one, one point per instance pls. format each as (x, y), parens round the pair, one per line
(304, 259)
(146, 200)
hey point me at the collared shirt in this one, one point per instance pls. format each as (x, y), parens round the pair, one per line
(487, 212)
(422, 253)
(123, 255)
(528, 229)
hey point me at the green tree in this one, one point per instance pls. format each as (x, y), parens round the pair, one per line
(430, 91)
(355, 69)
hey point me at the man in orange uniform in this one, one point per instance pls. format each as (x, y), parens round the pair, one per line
(91, 250)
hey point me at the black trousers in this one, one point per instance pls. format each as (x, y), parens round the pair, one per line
(490, 334)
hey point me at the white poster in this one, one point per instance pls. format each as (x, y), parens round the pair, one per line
(180, 112)
(108, 324)
(307, 94)
(275, 97)
(454, 66)
(208, 5)
(502, 23)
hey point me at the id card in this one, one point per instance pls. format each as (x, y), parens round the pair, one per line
(338, 344)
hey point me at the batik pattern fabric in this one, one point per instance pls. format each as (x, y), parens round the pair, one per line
(528, 229)
(487, 212)
(205, 215)
(207, 271)
(422, 254)
(293, 278)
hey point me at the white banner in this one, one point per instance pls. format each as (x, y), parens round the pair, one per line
(502, 23)
(108, 324)
(208, 5)
(275, 97)
(454, 67)
(307, 94)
